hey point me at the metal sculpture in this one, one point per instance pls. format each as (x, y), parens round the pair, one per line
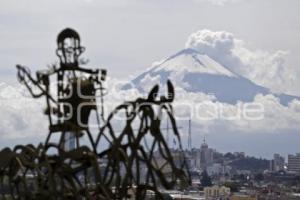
(135, 164)
(75, 86)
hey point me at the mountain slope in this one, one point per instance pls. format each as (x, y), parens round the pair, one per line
(195, 72)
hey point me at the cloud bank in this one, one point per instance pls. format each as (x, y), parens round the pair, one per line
(21, 115)
(23, 121)
(263, 67)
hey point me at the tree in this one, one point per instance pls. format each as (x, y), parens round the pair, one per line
(205, 179)
(234, 186)
(259, 177)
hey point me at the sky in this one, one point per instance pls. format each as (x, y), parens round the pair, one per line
(127, 36)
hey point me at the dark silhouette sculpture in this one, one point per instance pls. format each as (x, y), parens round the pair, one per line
(134, 164)
(75, 87)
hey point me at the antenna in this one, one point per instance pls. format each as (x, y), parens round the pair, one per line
(168, 134)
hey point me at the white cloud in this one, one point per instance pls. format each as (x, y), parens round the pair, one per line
(263, 67)
(208, 114)
(21, 116)
(277, 117)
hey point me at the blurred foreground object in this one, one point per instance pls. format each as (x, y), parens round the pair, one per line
(135, 163)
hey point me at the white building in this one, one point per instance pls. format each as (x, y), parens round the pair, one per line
(277, 163)
(206, 156)
(195, 159)
(217, 169)
(216, 192)
(294, 162)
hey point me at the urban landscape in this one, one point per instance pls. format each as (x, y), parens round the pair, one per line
(236, 176)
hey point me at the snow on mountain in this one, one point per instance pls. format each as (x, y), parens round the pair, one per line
(195, 72)
(189, 60)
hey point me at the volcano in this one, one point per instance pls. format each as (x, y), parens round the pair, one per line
(195, 72)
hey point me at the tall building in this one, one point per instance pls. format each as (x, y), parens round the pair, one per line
(206, 156)
(294, 162)
(277, 163)
(195, 158)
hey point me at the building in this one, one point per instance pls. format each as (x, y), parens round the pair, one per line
(218, 169)
(277, 163)
(195, 159)
(243, 197)
(216, 192)
(206, 156)
(294, 163)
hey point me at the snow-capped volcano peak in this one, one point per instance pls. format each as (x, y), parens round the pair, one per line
(199, 73)
(190, 60)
